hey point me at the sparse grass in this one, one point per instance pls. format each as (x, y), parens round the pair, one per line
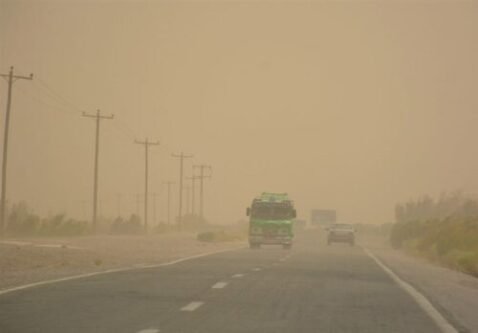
(451, 241)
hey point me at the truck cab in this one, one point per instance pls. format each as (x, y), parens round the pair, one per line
(271, 218)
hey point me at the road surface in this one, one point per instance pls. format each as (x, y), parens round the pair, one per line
(311, 288)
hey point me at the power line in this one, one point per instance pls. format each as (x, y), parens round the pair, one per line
(146, 143)
(54, 94)
(47, 104)
(97, 118)
(11, 78)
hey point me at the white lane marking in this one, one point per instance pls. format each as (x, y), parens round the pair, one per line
(56, 246)
(115, 270)
(192, 306)
(236, 276)
(149, 330)
(257, 269)
(219, 285)
(421, 300)
(282, 259)
(142, 265)
(15, 243)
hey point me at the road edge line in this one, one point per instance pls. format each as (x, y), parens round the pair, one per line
(443, 324)
(114, 270)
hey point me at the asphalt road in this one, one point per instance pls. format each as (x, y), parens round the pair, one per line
(311, 288)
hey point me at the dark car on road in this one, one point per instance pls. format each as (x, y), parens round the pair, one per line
(341, 232)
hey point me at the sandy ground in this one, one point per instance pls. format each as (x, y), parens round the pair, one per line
(453, 293)
(24, 261)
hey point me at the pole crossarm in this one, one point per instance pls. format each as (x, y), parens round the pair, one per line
(147, 143)
(97, 115)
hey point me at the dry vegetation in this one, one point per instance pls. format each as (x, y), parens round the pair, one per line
(444, 230)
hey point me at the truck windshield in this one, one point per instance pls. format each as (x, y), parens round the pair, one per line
(271, 212)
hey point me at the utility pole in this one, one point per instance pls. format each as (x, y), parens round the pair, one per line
(98, 117)
(193, 196)
(181, 157)
(146, 143)
(169, 183)
(10, 78)
(201, 177)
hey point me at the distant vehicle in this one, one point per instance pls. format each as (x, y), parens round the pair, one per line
(341, 232)
(322, 216)
(271, 220)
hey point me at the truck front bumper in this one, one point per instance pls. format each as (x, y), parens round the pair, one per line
(281, 240)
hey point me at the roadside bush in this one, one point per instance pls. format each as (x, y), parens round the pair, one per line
(127, 227)
(22, 222)
(450, 239)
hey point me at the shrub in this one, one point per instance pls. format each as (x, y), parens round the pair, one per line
(22, 222)
(450, 238)
(130, 226)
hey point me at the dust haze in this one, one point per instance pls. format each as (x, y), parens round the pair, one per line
(351, 106)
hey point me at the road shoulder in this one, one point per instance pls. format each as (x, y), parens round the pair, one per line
(453, 293)
(33, 261)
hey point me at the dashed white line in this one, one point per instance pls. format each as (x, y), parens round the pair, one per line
(192, 306)
(149, 330)
(257, 269)
(219, 285)
(421, 300)
(236, 276)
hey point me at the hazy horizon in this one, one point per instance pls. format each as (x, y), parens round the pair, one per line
(348, 106)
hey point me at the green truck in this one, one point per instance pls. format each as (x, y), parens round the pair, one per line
(271, 220)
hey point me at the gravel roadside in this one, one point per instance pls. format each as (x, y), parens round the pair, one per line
(24, 261)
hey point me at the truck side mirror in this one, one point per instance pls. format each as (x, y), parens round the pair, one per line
(248, 211)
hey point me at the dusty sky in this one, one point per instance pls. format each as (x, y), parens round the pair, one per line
(351, 105)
